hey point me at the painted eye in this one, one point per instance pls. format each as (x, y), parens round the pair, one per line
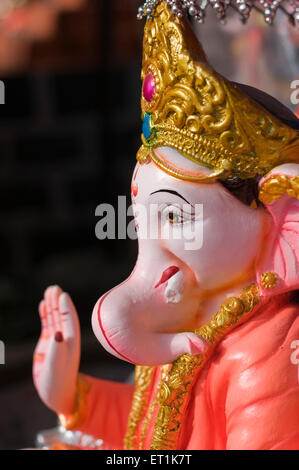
(174, 215)
(175, 218)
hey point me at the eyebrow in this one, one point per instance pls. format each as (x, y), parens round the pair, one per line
(175, 193)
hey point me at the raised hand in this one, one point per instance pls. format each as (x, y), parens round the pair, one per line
(57, 354)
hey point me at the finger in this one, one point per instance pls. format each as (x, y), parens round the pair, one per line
(55, 294)
(42, 308)
(48, 300)
(69, 317)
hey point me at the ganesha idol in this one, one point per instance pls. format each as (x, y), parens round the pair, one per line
(210, 328)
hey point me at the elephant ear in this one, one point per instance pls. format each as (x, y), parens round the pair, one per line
(279, 268)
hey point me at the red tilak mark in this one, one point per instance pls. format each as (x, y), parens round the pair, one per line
(167, 274)
(58, 337)
(134, 189)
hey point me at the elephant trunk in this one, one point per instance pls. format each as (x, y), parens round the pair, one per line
(126, 329)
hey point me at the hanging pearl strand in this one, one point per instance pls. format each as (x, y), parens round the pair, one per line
(197, 9)
(295, 15)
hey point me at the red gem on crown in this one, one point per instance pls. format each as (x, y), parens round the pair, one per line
(149, 87)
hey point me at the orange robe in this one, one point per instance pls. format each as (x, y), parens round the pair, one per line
(245, 397)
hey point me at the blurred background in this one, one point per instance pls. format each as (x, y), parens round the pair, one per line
(69, 132)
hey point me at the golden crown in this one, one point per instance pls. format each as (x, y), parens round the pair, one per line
(188, 106)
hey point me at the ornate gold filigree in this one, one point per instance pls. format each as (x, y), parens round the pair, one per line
(143, 376)
(277, 186)
(201, 114)
(144, 155)
(269, 280)
(175, 388)
(149, 415)
(77, 418)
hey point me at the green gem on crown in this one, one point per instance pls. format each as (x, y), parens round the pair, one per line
(148, 130)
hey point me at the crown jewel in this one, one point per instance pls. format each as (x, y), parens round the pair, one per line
(197, 9)
(209, 120)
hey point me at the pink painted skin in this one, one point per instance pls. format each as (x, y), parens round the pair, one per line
(57, 354)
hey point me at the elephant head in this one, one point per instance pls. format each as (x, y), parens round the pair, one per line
(176, 285)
